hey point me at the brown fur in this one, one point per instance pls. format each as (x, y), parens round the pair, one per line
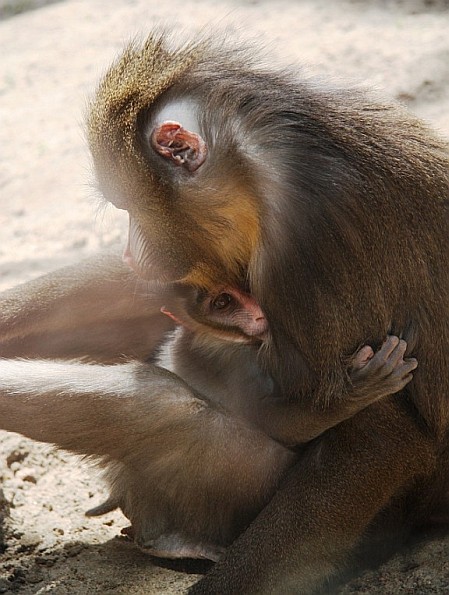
(148, 428)
(353, 210)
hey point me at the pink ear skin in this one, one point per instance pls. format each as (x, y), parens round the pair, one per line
(182, 147)
(172, 316)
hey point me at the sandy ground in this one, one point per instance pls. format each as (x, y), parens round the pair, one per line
(51, 58)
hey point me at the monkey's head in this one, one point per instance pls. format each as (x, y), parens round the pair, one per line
(192, 213)
(228, 315)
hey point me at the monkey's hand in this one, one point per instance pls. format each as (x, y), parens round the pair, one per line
(372, 376)
(376, 375)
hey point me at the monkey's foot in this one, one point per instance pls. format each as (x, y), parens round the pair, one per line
(175, 546)
(107, 506)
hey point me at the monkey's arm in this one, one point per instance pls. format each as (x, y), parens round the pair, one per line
(96, 308)
(308, 531)
(86, 408)
(113, 411)
(372, 377)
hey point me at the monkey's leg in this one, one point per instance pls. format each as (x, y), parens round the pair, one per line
(187, 475)
(308, 531)
(96, 308)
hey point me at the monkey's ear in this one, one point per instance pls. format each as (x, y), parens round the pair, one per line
(182, 147)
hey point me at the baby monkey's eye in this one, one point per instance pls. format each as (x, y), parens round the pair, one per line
(222, 301)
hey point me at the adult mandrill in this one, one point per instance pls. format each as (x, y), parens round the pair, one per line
(330, 210)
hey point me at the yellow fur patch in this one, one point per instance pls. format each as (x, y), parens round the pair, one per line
(231, 235)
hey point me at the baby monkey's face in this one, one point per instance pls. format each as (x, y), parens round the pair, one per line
(228, 314)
